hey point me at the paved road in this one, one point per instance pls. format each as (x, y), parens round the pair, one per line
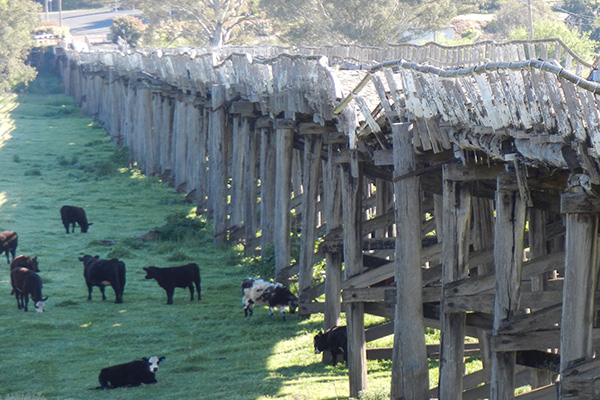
(89, 22)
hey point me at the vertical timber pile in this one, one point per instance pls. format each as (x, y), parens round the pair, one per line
(410, 372)
(284, 139)
(218, 164)
(581, 269)
(267, 184)
(508, 259)
(455, 266)
(352, 186)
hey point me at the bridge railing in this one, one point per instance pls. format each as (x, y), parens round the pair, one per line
(429, 53)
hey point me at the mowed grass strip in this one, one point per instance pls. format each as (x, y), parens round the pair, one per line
(51, 155)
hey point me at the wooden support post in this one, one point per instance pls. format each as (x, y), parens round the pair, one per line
(581, 266)
(333, 260)
(203, 172)
(508, 259)
(311, 175)
(250, 187)
(355, 315)
(455, 258)
(239, 132)
(218, 165)
(284, 139)
(410, 373)
(267, 188)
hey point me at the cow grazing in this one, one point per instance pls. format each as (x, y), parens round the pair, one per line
(27, 283)
(273, 294)
(184, 276)
(101, 273)
(8, 243)
(334, 340)
(134, 373)
(71, 215)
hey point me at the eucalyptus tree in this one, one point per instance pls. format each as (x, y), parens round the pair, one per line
(18, 18)
(202, 22)
(356, 21)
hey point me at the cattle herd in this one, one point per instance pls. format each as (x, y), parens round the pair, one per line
(26, 283)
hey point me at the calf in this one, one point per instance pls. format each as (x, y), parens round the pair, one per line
(184, 276)
(25, 283)
(134, 373)
(71, 215)
(335, 340)
(273, 294)
(101, 273)
(8, 243)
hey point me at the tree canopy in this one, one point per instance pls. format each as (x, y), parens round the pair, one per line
(355, 21)
(17, 20)
(201, 22)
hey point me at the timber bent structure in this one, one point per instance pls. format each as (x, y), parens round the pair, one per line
(447, 187)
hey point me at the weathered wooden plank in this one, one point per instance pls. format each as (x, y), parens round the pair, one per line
(218, 164)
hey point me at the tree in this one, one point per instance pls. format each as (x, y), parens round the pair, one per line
(318, 22)
(514, 14)
(128, 28)
(18, 18)
(205, 22)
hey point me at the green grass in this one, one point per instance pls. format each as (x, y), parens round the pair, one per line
(51, 155)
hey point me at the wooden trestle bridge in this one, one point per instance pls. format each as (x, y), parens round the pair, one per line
(448, 187)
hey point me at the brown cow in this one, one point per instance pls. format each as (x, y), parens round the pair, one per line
(24, 262)
(27, 283)
(8, 243)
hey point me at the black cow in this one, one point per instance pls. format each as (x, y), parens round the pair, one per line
(25, 283)
(134, 373)
(8, 243)
(101, 273)
(273, 294)
(71, 215)
(184, 276)
(335, 340)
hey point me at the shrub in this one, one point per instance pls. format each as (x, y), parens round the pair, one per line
(128, 28)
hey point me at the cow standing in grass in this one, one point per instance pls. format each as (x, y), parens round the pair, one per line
(184, 276)
(72, 215)
(334, 340)
(8, 244)
(101, 273)
(27, 283)
(273, 294)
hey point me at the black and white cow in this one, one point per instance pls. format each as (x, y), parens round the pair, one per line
(70, 215)
(25, 283)
(273, 294)
(134, 373)
(101, 273)
(334, 340)
(183, 276)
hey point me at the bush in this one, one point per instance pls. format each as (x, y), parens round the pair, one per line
(128, 28)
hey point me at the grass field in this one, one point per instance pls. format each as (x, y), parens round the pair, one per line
(51, 155)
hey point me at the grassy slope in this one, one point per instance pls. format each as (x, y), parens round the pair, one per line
(50, 155)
